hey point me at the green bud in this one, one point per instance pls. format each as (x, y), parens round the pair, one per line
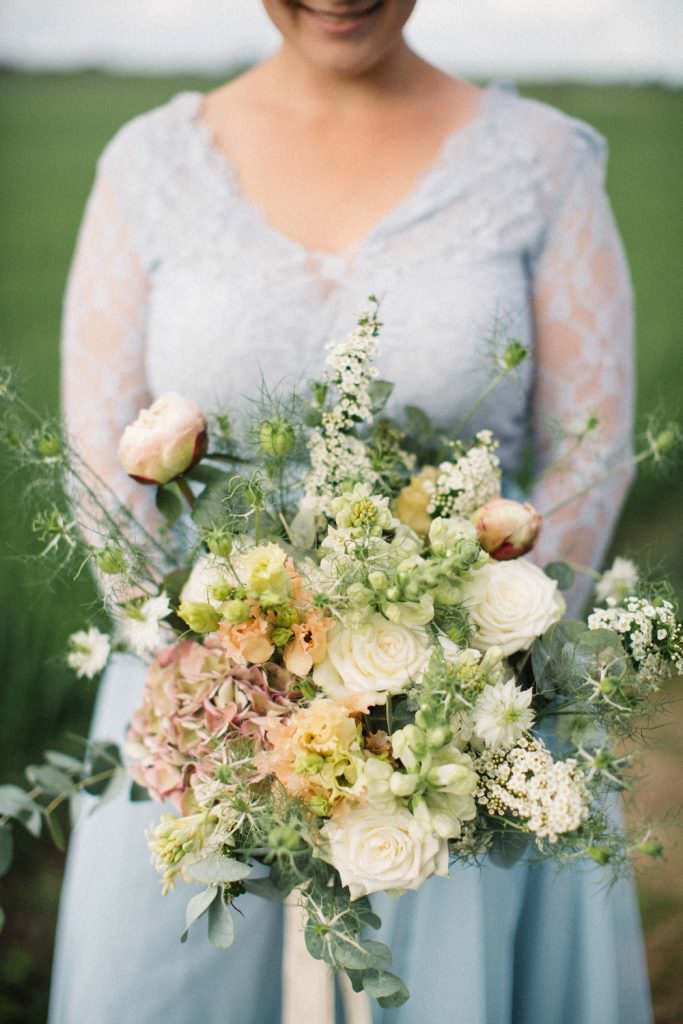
(515, 353)
(666, 440)
(221, 591)
(319, 805)
(200, 617)
(651, 848)
(599, 854)
(319, 393)
(281, 635)
(363, 513)
(287, 615)
(48, 445)
(458, 633)
(111, 561)
(276, 438)
(235, 611)
(393, 594)
(308, 764)
(219, 541)
(283, 838)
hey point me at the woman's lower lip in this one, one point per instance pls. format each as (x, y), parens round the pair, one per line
(339, 26)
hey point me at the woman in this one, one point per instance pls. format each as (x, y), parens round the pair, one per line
(229, 236)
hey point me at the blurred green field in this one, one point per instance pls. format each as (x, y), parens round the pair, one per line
(51, 130)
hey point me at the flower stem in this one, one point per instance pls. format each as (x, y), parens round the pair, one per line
(186, 491)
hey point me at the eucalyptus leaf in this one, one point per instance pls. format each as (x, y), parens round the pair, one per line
(64, 761)
(379, 393)
(204, 474)
(508, 847)
(6, 849)
(553, 658)
(315, 942)
(102, 757)
(49, 778)
(56, 831)
(14, 799)
(381, 984)
(360, 954)
(198, 905)
(221, 925)
(216, 870)
(138, 793)
(397, 999)
(173, 582)
(169, 504)
(266, 889)
(209, 507)
(562, 573)
(114, 786)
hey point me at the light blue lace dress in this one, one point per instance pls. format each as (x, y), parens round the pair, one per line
(179, 283)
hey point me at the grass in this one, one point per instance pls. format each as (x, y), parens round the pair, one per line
(53, 127)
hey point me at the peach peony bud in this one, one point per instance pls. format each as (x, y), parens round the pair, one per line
(507, 529)
(164, 441)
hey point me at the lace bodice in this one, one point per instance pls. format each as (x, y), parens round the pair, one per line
(179, 283)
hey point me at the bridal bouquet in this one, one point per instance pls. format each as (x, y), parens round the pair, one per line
(355, 678)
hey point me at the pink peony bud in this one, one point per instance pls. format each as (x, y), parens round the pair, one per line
(507, 529)
(164, 441)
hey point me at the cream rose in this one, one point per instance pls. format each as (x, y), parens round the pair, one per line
(511, 603)
(164, 441)
(370, 662)
(383, 847)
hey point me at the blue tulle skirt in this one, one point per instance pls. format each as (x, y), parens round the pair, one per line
(529, 944)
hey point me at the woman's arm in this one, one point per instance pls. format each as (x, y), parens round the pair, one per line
(103, 332)
(583, 309)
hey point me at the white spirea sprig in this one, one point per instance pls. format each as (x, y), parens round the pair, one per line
(550, 797)
(337, 455)
(650, 633)
(469, 480)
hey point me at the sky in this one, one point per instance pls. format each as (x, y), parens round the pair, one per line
(594, 39)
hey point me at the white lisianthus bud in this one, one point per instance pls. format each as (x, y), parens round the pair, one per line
(164, 441)
(507, 529)
(402, 784)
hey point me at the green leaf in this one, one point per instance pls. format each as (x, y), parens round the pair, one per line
(562, 573)
(266, 889)
(401, 996)
(169, 504)
(218, 870)
(138, 793)
(102, 756)
(56, 831)
(379, 393)
(204, 474)
(198, 905)
(314, 937)
(360, 954)
(382, 984)
(508, 847)
(209, 507)
(14, 799)
(174, 582)
(221, 925)
(64, 761)
(49, 778)
(6, 849)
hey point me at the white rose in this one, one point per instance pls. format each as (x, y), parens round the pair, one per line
(511, 603)
(378, 848)
(369, 662)
(164, 441)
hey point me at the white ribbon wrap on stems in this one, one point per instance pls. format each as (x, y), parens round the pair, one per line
(308, 984)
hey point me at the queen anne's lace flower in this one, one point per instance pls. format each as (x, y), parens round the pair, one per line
(650, 633)
(551, 797)
(468, 481)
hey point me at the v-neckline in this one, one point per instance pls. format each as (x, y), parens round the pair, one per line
(225, 169)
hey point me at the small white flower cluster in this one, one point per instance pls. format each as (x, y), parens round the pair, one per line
(469, 481)
(551, 797)
(88, 652)
(336, 454)
(617, 582)
(649, 631)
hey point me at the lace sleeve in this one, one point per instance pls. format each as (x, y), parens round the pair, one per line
(103, 331)
(584, 356)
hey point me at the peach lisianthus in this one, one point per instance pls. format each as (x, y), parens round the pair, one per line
(248, 642)
(308, 646)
